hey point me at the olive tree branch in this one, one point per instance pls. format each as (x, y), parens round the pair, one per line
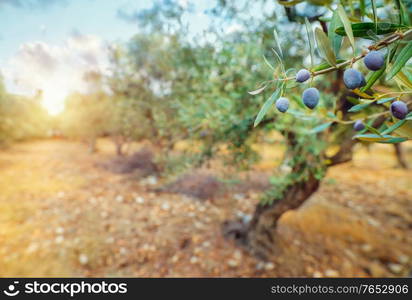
(379, 45)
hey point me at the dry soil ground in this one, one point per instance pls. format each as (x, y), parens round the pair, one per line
(62, 214)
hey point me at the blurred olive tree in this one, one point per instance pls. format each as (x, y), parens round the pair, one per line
(21, 117)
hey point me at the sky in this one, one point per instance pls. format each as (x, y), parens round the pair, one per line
(49, 44)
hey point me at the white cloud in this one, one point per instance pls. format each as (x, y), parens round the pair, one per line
(57, 70)
(234, 28)
(35, 64)
(183, 3)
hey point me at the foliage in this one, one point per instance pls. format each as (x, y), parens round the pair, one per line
(21, 118)
(86, 115)
(369, 104)
(395, 37)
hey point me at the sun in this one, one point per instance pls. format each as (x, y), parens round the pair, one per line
(53, 100)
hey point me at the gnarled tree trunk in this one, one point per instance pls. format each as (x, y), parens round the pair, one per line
(259, 235)
(262, 229)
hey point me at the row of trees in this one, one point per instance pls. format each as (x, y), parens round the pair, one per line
(165, 87)
(338, 40)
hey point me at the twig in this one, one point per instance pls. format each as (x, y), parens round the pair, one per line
(379, 45)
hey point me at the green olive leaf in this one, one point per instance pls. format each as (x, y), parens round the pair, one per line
(402, 79)
(375, 16)
(347, 25)
(371, 137)
(384, 100)
(311, 39)
(268, 63)
(372, 78)
(400, 60)
(393, 127)
(276, 37)
(325, 47)
(267, 105)
(359, 107)
(405, 130)
(279, 60)
(320, 128)
(335, 39)
(258, 91)
(362, 7)
(373, 129)
(368, 30)
(394, 140)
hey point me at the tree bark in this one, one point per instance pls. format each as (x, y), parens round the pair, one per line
(92, 145)
(400, 156)
(262, 229)
(119, 149)
(118, 141)
(259, 235)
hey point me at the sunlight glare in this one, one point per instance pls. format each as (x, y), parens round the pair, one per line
(53, 100)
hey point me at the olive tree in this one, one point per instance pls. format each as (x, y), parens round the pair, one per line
(86, 114)
(21, 117)
(357, 39)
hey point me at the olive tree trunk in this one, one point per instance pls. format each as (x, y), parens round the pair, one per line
(261, 232)
(400, 156)
(92, 145)
(118, 142)
(259, 236)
